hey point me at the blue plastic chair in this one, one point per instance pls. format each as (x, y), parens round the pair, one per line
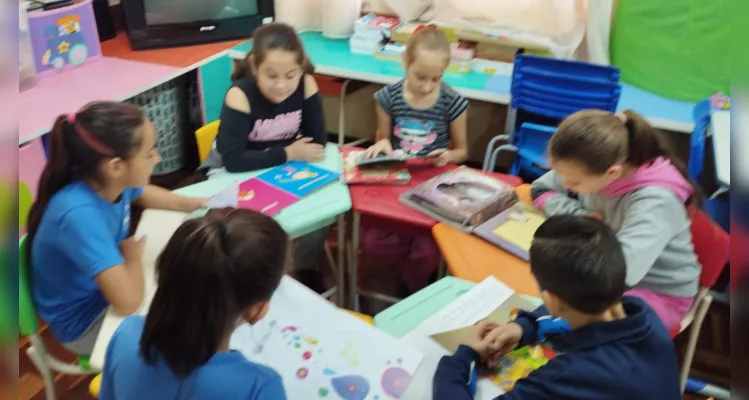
(717, 207)
(701, 115)
(551, 89)
(531, 149)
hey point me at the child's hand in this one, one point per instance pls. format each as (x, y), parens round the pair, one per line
(305, 150)
(477, 338)
(195, 203)
(132, 249)
(381, 147)
(596, 215)
(440, 157)
(502, 340)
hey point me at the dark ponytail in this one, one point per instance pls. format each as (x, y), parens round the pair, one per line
(599, 139)
(79, 143)
(212, 269)
(275, 36)
(647, 143)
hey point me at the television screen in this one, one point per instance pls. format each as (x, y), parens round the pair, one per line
(162, 12)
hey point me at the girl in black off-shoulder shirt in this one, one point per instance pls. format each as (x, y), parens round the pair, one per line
(273, 114)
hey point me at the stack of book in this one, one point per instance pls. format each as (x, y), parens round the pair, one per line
(369, 33)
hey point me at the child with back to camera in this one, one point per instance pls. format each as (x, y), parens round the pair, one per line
(273, 114)
(618, 168)
(216, 272)
(82, 260)
(617, 348)
(419, 115)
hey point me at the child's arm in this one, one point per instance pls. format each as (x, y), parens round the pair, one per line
(452, 375)
(162, 199)
(648, 226)
(384, 125)
(90, 248)
(313, 122)
(549, 195)
(231, 140)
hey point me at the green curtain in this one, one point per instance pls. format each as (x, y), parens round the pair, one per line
(675, 48)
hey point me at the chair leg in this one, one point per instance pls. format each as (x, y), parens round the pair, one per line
(490, 149)
(341, 252)
(37, 358)
(353, 264)
(342, 113)
(694, 335)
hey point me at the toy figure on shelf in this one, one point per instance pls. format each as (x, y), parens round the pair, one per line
(65, 43)
(720, 101)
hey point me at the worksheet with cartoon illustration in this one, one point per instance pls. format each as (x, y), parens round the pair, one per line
(322, 352)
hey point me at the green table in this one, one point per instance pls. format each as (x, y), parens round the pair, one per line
(408, 313)
(313, 212)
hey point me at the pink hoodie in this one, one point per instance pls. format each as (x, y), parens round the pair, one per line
(660, 172)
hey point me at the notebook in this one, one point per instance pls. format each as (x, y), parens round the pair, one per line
(477, 203)
(275, 189)
(353, 174)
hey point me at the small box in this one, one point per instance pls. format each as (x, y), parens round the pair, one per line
(65, 37)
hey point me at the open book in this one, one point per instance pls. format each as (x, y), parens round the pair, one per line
(495, 301)
(475, 202)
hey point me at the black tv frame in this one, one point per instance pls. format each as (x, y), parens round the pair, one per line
(143, 36)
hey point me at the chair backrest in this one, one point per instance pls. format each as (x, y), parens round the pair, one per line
(204, 137)
(711, 245)
(701, 117)
(28, 322)
(556, 88)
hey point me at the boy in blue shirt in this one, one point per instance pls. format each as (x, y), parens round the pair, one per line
(617, 349)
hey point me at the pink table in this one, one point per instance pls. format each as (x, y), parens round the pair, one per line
(103, 79)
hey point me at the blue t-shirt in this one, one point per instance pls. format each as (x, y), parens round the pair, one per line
(225, 376)
(78, 238)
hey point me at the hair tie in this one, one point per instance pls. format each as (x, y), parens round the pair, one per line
(622, 117)
(71, 118)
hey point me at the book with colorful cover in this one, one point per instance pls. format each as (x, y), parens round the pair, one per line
(261, 196)
(354, 174)
(275, 189)
(512, 229)
(463, 197)
(514, 365)
(477, 203)
(298, 178)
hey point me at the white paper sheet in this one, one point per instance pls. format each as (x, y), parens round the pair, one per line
(469, 308)
(320, 350)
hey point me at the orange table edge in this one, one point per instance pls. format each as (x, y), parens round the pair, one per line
(474, 259)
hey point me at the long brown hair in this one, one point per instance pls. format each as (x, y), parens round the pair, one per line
(275, 36)
(212, 269)
(78, 144)
(599, 139)
(427, 38)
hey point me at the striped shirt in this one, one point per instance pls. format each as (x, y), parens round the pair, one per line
(420, 132)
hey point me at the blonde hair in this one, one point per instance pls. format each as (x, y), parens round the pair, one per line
(427, 38)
